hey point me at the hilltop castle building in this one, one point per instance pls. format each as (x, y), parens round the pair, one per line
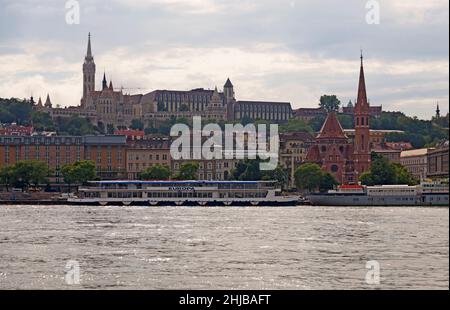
(335, 152)
(110, 107)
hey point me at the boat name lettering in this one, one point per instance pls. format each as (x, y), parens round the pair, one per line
(181, 188)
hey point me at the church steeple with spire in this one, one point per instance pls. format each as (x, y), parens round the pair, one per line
(104, 82)
(88, 73)
(48, 103)
(362, 126)
(438, 111)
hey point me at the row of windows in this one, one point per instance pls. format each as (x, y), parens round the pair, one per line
(149, 157)
(266, 116)
(209, 176)
(138, 166)
(41, 140)
(294, 151)
(210, 165)
(67, 157)
(176, 106)
(420, 161)
(263, 108)
(323, 149)
(180, 195)
(176, 97)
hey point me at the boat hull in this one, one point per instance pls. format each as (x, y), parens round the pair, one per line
(368, 201)
(279, 201)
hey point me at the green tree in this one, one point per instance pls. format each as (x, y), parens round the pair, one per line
(29, 172)
(75, 126)
(42, 121)
(327, 182)
(442, 121)
(278, 174)
(366, 178)
(157, 172)
(5, 177)
(403, 176)
(347, 121)
(317, 122)
(247, 170)
(84, 171)
(417, 140)
(418, 132)
(383, 172)
(68, 174)
(188, 171)
(137, 124)
(330, 103)
(15, 110)
(296, 125)
(308, 177)
(79, 172)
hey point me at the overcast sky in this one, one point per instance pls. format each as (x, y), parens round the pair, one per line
(284, 50)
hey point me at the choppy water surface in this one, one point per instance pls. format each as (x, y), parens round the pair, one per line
(223, 248)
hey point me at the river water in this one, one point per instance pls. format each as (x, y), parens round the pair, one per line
(223, 248)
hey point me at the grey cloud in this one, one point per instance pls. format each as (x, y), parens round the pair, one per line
(323, 29)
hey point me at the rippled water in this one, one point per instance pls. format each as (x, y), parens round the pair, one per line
(223, 248)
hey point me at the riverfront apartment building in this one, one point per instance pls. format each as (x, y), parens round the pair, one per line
(416, 162)
(145, 153)
(211, 170)
(438, 161)
(108, 152)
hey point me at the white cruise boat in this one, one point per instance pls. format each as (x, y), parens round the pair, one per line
(425, 194)
(215, 193)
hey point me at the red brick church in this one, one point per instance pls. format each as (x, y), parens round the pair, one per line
(332, 149)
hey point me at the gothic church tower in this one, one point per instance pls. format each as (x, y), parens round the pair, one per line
(362, 127)
(88, 74)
